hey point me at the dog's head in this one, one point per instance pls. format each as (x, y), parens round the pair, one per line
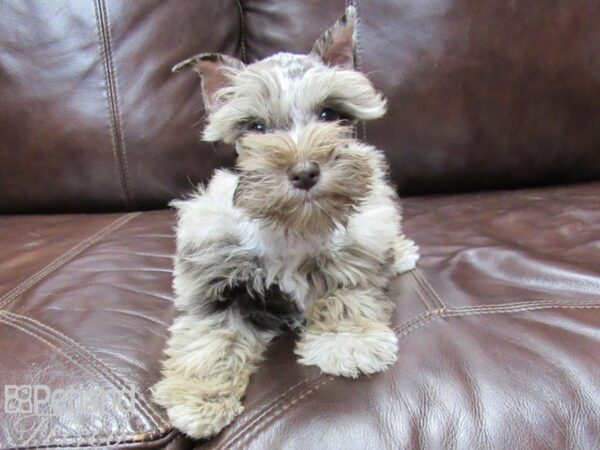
(291, 120)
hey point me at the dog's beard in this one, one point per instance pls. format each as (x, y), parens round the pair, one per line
(265, 192)
(297, 212)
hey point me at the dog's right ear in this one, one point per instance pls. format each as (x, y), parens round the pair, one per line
(337, 46)
(214, 70)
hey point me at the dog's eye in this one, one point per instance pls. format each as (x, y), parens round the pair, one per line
(329, 115)
(257, 127)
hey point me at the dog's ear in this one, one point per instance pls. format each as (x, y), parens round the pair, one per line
(214, 70)
(336, 47)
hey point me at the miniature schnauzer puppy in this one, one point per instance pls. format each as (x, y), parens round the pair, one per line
(305, 233)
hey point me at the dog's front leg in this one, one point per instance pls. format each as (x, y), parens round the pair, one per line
(208, 366)
(347, 333)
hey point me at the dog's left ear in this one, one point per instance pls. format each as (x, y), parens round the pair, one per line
(336, 47)
(214, 70)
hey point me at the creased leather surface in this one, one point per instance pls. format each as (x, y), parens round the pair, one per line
(485, 94)
(481, 94)
(494, 351)
(489, 355)
(478, 91)
(39, 242)
(91, 117)
(95, 321)
(498, 327)
(534, 245)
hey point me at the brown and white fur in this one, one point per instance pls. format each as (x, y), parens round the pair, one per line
(256, 253)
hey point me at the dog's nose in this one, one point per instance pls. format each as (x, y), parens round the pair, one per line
(304, 175)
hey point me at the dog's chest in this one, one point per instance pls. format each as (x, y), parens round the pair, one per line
(293, 264)
(288, 267)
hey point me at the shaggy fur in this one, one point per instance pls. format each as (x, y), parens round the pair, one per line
(256, 253)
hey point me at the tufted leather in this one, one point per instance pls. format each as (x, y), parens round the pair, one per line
(498, 326)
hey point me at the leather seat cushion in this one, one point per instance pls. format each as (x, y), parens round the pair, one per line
(91, 315)
(498, 332)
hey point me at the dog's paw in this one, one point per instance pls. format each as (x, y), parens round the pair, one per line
(192, 409)
(349, 352)
(204, 417)
(407, 255)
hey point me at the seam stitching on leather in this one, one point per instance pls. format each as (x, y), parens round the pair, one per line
(130, 440)
(267, 409)
(242, 32)
(283, 394)
(358, 56)
(420, 276)
(113, 102)
(306, 381)
(504, 306)
(82, 355)
(8, 321)
(60, 442)
(420, 294)
(418, 323)
(64, 258)
(118, 110)
(309, 382)
(560, 305)
(78, 350)
(400, 328)
(285, 406)
(111, 126)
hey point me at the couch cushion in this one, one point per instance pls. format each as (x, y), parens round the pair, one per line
(91, 315)
(91, 117)
(499, 339)
(484, 94)
(498, 333)
(481, 95)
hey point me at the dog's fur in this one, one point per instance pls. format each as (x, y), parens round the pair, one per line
(255, 254)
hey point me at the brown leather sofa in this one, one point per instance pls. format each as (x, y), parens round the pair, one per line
(491, 102)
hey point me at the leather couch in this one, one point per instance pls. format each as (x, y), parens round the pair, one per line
(493, 136)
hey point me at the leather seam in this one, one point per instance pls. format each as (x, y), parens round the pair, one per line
(261, 412)
(418, 323)
(63, 259)
(101, 39)
(358, 56)
(408, 324)
(241, 439)
(422, 279)
(504, 306)
(283, 394)
(113, 102)
(242, 32)
(557, 305)
(404, 328)
(88, 358)
(306, 381)
(4, 319)
(130, 440)
(420, 293)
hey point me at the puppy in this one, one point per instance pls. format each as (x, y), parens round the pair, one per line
(306, 232)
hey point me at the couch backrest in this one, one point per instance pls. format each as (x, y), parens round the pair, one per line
(483, 94)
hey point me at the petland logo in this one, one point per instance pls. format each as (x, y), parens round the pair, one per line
(46, 413)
